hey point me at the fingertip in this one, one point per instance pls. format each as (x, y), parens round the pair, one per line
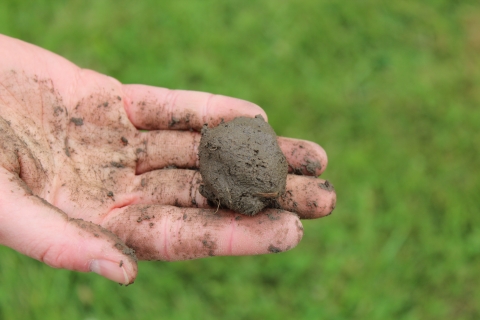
(224, 109)
(123, 271)
(294, 234)
(112, 258)
(304, 157)
(272, 231)
(309, 197)
(329, 198)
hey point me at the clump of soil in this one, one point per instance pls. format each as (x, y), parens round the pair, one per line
(242, 166)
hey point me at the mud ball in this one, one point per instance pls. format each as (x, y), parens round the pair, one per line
(242, 166)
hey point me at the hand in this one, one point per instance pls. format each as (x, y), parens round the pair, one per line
(84, 187)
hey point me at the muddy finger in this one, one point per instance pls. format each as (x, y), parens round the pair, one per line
(171, 233)
(309, 197)
(155, 108)
(304, 157)
(174, 187)
(167, 148)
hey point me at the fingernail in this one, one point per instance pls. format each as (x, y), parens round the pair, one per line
(110, 270)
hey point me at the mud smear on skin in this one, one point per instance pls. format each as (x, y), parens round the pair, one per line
(242, 165)
(42, 152)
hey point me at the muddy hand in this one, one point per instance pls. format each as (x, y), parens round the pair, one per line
(82, 187)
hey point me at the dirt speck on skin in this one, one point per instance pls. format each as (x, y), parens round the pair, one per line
(209, 244)
(67, 149)
(117, 164)
(77, 121)
(273, 249)
(273, 217)
(326, 186)
(312, 166)
(242, 165)
(126, 250)
(173, 121)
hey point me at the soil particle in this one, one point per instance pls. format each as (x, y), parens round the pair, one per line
(312, 166)
(117, 164)
(326, 186)
(209, 244)
(124, 141)
(312, 204)
(242, 166)
(77, 121)
(273, 217)
(273, 249)
(126, 250)
(143, 217)
(173, 121)
(297, 171)
(67, 150)
(57, 111)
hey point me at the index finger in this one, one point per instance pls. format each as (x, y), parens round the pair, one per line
(154, 108)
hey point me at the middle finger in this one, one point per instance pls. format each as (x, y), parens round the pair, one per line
(160, 149)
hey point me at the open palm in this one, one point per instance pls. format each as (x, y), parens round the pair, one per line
(95, 174)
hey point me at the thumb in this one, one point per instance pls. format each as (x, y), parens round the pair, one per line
(34, 227)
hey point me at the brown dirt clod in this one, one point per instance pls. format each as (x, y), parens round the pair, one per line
(242, 165)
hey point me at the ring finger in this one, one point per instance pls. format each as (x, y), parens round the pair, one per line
(309, 197)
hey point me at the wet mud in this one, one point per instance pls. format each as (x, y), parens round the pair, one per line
(242, 165)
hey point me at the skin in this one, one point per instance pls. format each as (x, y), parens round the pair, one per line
(95, 174)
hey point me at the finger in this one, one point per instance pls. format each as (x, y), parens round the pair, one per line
(33, 227)
(309, 197)
(172, 233)
(173, 187)
(155, 108)
(162, 148)
(303, 157)
(159, 149)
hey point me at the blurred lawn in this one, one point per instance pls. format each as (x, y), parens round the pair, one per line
(391, 89)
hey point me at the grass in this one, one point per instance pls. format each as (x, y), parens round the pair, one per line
(390, 89)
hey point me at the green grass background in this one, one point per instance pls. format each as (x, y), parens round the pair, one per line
(391, 90)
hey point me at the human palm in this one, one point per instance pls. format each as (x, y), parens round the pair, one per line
(95, 174)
